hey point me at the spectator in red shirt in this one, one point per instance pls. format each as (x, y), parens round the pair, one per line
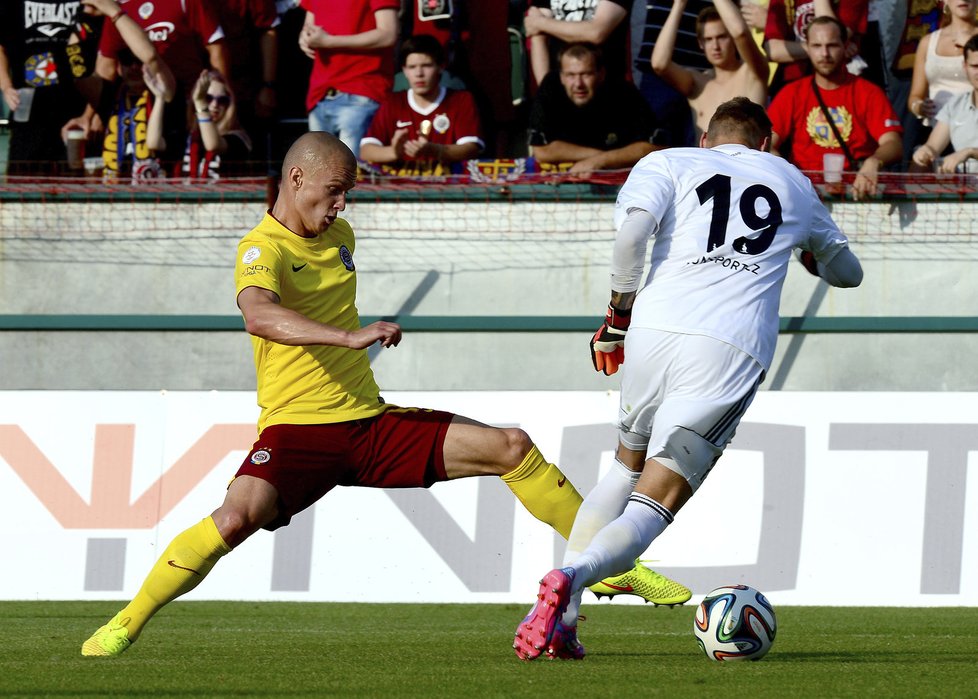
(859, 109)
(428, 126)
(351, 44)
(181, 30)
(787, 24)
(252, 41)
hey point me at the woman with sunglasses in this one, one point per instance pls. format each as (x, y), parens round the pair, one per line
(217, 146)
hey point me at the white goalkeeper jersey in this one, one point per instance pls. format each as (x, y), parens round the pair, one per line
(728, 218)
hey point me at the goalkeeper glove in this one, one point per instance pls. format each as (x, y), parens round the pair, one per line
(608, 344)
(809, 262)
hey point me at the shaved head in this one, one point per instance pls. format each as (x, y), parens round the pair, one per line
(317, 173)
(316, 150)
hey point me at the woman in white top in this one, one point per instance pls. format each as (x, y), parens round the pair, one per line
(938, 70)
(957, 125)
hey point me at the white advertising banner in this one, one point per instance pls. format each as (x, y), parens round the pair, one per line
(822, 498)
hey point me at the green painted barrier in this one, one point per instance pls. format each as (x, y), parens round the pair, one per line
(195, 323)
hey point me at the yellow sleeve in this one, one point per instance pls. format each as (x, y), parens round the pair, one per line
(258, 264)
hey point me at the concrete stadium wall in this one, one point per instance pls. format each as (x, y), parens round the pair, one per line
(543, 258)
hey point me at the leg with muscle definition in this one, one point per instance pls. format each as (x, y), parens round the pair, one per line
(250, 504)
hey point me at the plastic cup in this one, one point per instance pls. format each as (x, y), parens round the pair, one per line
(93, 165)
(76, 149)
(832, 164)
(23, 111)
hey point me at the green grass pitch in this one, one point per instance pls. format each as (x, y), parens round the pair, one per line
(263, 649)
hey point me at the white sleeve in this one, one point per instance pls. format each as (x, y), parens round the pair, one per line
(628, 258)
(835, 262)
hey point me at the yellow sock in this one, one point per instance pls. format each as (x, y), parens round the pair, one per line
(545, 491)
(186, 561)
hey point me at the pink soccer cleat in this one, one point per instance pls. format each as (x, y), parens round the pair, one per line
(535, 632)
(564, 644)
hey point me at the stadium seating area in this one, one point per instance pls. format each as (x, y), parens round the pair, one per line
(489, 51)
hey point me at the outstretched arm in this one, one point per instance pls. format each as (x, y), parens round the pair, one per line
(266, 318)
(683, 79)
(749, 52)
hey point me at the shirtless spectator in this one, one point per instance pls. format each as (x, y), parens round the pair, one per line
(739, 69)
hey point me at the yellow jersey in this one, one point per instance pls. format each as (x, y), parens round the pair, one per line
(315, 384)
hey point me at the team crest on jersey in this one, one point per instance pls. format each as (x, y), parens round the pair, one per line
(441, 123)
(261, 456)
(820, 131)
(40, 70)
(145, 10)
(251, 254)
(346, 257)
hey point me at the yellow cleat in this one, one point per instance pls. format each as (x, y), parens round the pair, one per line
(110, 640)
(645, 583)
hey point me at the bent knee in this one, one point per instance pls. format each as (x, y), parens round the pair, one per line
(235, 524)
(518, 445)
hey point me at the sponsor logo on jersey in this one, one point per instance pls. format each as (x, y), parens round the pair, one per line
(346, 257)
(251, 254)
(296, 268)
(159, 32)
(441, 123)
(402, 124)
(262, 456)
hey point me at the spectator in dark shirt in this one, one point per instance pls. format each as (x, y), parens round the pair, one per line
(581, 117)
(36, 79)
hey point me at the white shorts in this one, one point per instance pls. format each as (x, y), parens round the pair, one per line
(682, 397)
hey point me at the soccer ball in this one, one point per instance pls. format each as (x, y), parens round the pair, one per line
(735, 622)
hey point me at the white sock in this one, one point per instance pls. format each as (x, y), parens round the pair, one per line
(603, 505)
(614, 549)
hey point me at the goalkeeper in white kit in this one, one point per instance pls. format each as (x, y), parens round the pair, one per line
(700, 337)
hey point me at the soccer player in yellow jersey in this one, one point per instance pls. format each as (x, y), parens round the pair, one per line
(323, 422)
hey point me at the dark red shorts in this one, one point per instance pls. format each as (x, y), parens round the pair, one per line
(400, 448)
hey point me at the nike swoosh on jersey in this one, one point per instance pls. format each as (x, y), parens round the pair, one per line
(296, 268)
(402, 124)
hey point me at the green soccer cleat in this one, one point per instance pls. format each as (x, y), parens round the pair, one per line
(645, 583)
(110, 640)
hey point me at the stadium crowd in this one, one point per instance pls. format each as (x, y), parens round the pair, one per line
(204, 89)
